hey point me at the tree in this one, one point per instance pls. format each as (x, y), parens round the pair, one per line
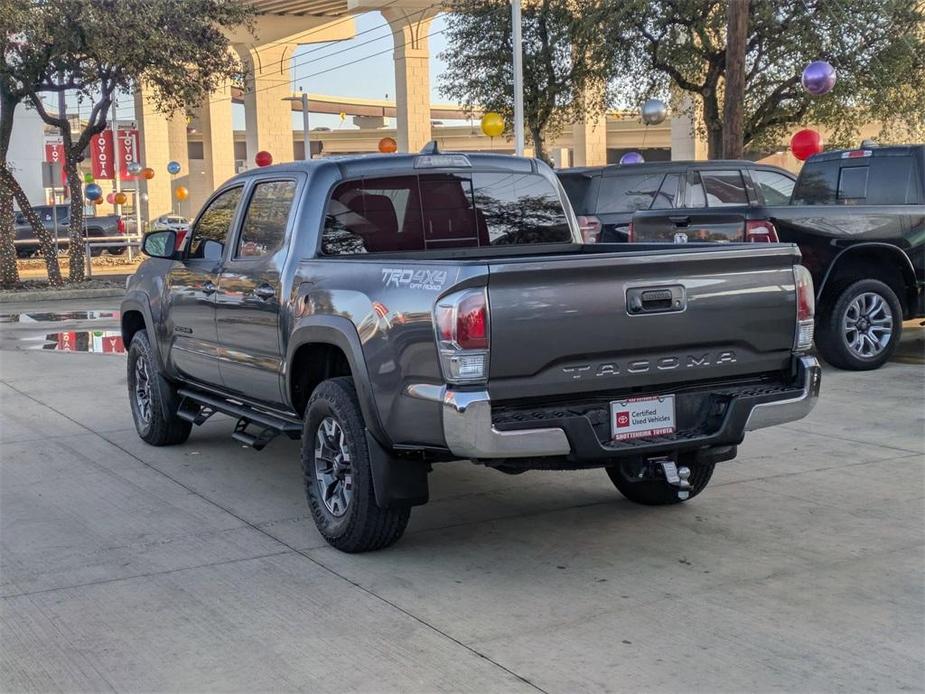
(92, 48)
(14, 14)
(877, 47)
(565, 62)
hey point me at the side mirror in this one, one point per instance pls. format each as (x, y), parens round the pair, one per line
(160, 244)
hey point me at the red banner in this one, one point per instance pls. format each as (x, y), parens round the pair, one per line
(102, 156)
(54, 154)
(128, 152)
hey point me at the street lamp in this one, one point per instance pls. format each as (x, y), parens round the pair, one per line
(303, 97)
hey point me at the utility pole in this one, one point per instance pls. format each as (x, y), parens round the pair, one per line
(305, 128)
(736, 35)
(517, 37)
(117, 165)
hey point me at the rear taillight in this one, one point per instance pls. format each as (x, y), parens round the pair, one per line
(760, 231)
(590, 227)
(461, 324)
(120, 225)
(630, 235)
(806, 309)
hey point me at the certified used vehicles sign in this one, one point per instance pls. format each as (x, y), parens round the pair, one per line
(638, 417)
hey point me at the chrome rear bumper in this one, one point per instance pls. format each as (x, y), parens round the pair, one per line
(470, 432)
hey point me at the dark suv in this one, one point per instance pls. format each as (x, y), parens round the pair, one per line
(677, 201)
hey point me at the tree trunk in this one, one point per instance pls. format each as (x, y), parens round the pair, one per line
(76, 250)
(9, 187)
(736, 31)
(713, 122)
(539, 146)
(9, 273)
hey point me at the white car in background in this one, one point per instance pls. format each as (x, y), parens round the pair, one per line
(170, 222)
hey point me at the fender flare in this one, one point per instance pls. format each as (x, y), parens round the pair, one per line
(138, 301)
(906, 262)
(339, 332)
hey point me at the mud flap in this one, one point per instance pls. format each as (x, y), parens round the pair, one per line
(396, 482)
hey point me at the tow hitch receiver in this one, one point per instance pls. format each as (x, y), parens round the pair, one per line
(676, 476)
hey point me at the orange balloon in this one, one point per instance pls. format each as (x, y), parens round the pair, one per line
(98, 201)
(388, 145)
(120, 198)
(147, 173)
(181, 192)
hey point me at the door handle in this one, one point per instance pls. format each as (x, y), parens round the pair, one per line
(264, 292)
(208, 288)
(680, 221)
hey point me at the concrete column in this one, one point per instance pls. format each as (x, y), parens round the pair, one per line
(412, 75)
(686, 143)
(162, 139)
(268, 119)
(214, 124)
(591, 141)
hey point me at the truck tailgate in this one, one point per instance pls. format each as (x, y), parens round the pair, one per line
(568, 325)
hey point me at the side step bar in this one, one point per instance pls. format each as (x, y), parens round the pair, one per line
(197, 407)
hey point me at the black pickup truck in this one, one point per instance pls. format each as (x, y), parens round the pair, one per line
(96, 227)
(403, 310)
(858, 217)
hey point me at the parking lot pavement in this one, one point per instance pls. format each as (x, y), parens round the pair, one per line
(197, 567)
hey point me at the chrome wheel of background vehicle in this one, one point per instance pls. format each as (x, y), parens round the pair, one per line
(868, 325)
(143, 389)
(333, 472)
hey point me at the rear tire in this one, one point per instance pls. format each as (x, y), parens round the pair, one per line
(337, 473)
(154, 400)
(655, 490)
(852, 329)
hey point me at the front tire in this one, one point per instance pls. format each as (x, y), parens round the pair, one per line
(645, 484)
(154, 400)
(862, 329)
(338, 476)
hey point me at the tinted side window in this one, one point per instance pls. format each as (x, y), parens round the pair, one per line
(578, 188)
(724, 188)
(892, 181)
(628, 192)
(776, 188)
(665, 200)
(264, 226)
(816, 184)
(514, 208)
(852, 183)
(208, 235)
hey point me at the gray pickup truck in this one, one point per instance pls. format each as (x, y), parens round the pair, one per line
(404, 310)
(107, 227)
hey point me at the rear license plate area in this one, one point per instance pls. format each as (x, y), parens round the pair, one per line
(642, 417)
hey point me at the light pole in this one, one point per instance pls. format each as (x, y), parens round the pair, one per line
(303, 97)
(518, 79)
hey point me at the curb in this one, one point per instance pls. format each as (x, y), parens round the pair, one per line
(59, 295)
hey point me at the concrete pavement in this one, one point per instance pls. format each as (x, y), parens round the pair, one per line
(197, 568)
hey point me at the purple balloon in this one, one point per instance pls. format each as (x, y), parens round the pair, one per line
(818, 78)
(632, 158)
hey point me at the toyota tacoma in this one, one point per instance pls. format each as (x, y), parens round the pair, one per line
(400, 311)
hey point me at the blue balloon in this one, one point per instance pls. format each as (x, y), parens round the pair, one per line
(818, 78)
(173, 167)
(93, 192)
(632, 158)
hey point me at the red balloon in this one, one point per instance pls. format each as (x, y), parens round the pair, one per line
(111, 198)
(805, 144)
(263, 158)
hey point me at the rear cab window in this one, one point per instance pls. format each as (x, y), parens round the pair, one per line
(439, 211)
(628, 192)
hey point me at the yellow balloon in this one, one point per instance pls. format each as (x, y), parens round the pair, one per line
(492, 124)
(181, 192)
